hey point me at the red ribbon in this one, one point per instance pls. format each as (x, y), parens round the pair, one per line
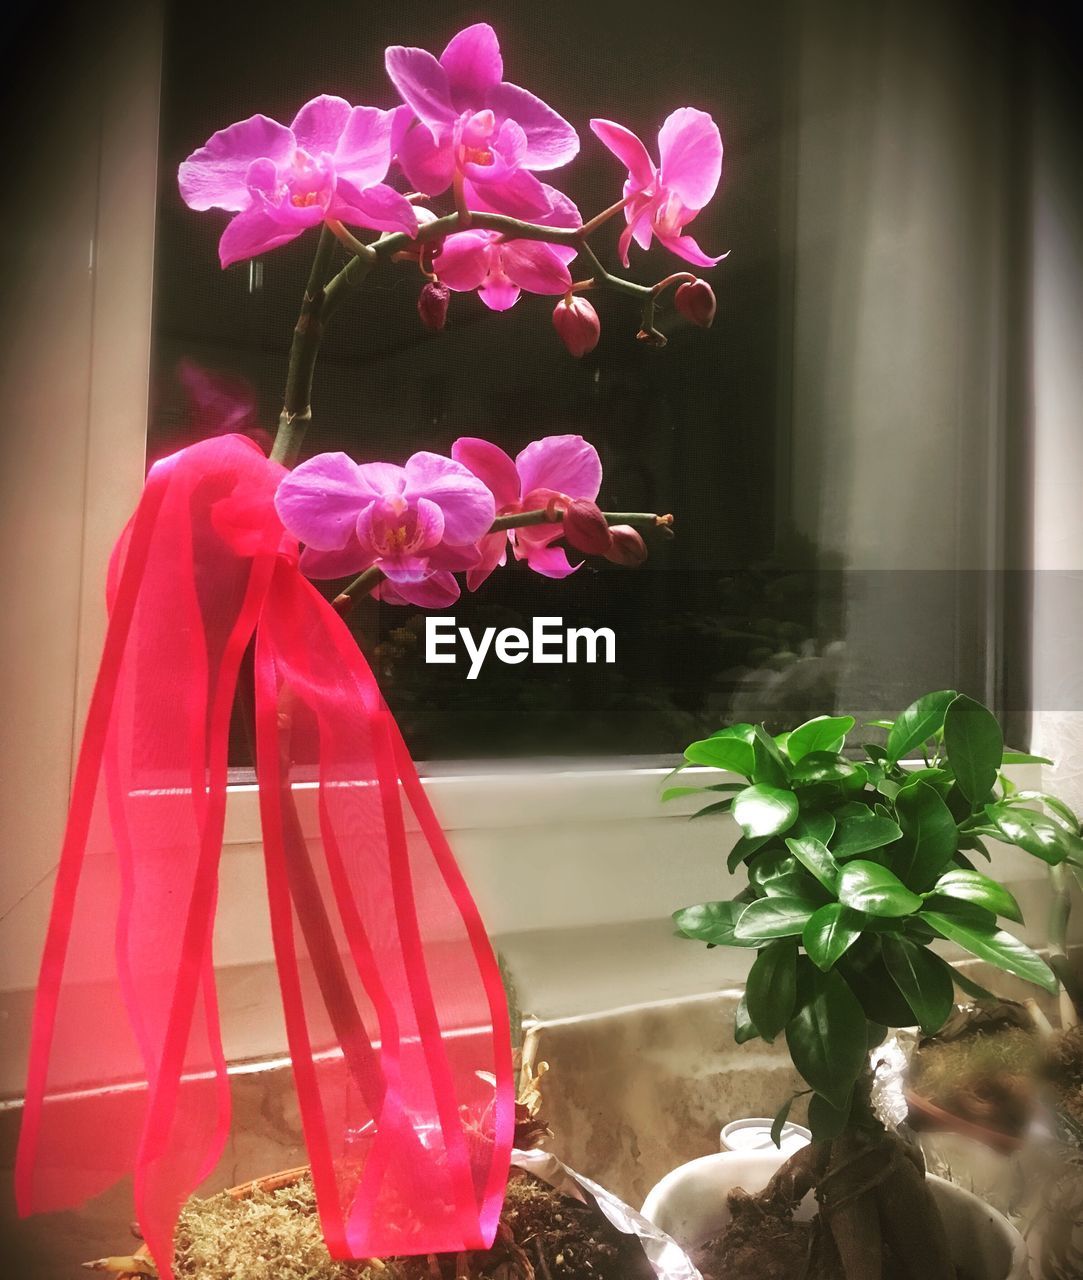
(395, 1013)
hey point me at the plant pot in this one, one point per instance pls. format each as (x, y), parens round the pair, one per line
(690, 1205)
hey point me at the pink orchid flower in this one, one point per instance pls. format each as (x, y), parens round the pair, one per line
(329, 164)
(558, 467)
(500, 269)
(419, 523)
(663, 198)
(474, 125)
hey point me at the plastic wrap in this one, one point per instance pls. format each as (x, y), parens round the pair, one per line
(667, 1258)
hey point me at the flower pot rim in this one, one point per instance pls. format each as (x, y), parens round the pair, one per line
(967, 1201)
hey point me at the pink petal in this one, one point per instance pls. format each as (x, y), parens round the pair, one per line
(214, 177)
(535, 267)
(319, 501)
(639, 227)
(551, 140)
(405, 569)
(467, 504)
(252, 233)
(423, 83)
(562, 211)
(379, 206)
(473, 64)
(445, 556)
(494, 552)
(550, 562)
(628, 149)
(463, 261)
(690, 149)
(435, 592)
(492, 466)
(319, 124)
(380, 479)
(363, 150)
(428, 165)
(567, 464)
(498, 292)
(520, 194)
(352, 558)
(685, 247)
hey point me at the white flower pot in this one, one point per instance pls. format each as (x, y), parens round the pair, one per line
(689, 1204)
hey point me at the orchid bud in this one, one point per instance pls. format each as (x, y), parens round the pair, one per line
(578, 325)
(695, 301)
(626, 546)
(432, 305)
(585, 527)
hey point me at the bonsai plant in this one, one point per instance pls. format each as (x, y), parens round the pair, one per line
(855, 868)
(404, 1083)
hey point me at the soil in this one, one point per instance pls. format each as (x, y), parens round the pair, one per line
(760, 1245)
(275, 1235)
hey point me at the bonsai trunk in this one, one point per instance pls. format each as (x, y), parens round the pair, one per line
(871, 1189)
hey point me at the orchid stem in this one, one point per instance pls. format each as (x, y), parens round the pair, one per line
(588, 228)
(367, 582)
(296, 404)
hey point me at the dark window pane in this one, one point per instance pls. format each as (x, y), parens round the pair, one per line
(759, 606)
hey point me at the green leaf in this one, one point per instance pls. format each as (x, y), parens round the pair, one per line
(824, 733)
(813, 855)
(817, 823)
(726, 753)
(972, 886)
(1030, 831)
(720, 806)
(975, 745)
(770, 864)
(675, 793)
(772, 918)
(764, 811)
(995, 945)
(923, 978)
(782, 1115)
(768, 765)
(825, 770)
(918, 723)
(771, 989)
(1021, 757)
(826, 1036)
(744, 848)
(869, 887)
(880, 724)
(798, 884)
(741, 731)
(858, 832)
(930, 836)
(1059, 811)
(824, 1120)
(711, 922)
(864, 969)
(744, 1029)
(829, 933)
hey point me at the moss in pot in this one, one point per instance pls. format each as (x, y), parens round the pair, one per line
(855, 868)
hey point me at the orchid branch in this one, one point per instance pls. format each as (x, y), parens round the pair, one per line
(371, 578)
(321, 301)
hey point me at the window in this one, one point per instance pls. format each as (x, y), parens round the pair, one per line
(833, 449)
